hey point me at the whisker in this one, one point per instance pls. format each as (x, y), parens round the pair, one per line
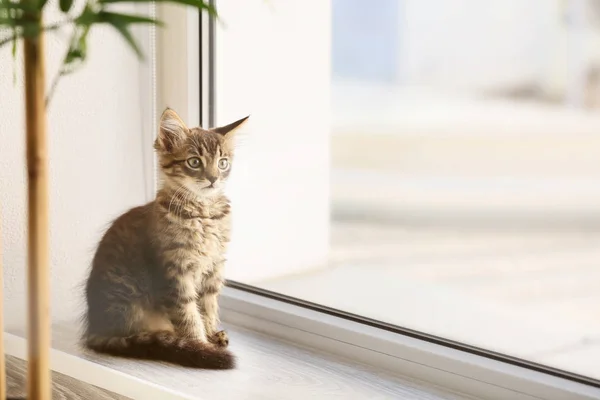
(178, 206)
(185, 201)
(175, 196)
(181, 205)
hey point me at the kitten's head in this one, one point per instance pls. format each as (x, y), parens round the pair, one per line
(195, 159)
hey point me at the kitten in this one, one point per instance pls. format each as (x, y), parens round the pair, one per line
(156, 275)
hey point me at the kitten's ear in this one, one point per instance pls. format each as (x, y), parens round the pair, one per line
(229, 129)
(172, 131)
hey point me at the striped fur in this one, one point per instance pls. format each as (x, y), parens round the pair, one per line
(153, 288)
(164, 346)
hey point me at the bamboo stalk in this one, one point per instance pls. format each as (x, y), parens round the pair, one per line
(38, 379)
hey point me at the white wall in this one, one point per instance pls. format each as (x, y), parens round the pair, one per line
(273, 62)
(96, 169)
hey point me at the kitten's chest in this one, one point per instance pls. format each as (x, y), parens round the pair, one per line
(193, 243)
(206, 245)
(209, 238)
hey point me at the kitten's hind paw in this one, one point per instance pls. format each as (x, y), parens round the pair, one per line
(219, 339)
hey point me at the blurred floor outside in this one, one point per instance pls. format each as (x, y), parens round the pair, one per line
(411, 173)
(417, 149)
(530, 294)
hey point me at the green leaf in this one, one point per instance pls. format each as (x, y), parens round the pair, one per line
(4, 21)
(20, 13)
(14, 43)
(122, 29)
(87, 17)
(121, 23)
(8, 39)
(199, 4)
(12, 6)
(11, 17)
(30, 30)
(74, 55)
(77, 52)
(65, 5)
(23, 5)
(14, 54)
(125, 19)
(7, 5)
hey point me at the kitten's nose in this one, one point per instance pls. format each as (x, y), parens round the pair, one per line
(211, 179)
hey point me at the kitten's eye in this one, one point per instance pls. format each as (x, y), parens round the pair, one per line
(194, 162)
(223, 164)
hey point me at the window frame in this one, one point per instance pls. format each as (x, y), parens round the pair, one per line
(436, 361)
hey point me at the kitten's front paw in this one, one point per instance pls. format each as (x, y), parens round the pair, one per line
(219, 339)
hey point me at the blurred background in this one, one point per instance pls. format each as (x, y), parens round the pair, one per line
(465, 180)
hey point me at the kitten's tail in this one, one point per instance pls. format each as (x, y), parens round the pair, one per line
(164, 346)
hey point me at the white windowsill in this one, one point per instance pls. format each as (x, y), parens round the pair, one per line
(267, 369)
(452, 369)
(273, 369)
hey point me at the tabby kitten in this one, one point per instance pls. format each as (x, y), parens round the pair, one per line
(156, 275)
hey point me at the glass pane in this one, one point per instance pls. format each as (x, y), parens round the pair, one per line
(462, 160)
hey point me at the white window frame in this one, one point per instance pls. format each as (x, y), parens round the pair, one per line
(436, 364)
